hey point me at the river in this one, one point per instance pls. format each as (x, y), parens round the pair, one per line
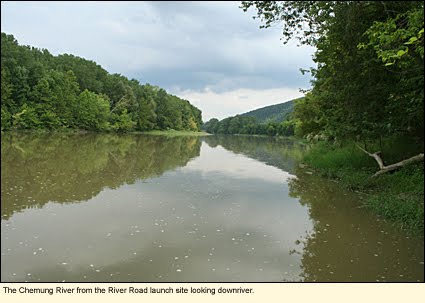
(138, 208)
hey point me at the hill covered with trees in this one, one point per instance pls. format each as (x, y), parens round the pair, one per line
(42, 91)
(272, 113)
(272, 120)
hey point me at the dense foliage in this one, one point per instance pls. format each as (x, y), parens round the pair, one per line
(40, 90)
(369, 80)
(248, 126)
(273, 120)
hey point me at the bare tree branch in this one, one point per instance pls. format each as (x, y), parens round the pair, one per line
(384, 169)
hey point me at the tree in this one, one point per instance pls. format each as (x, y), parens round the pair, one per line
(145, 110)
(40, 90)
(368, 83)
(92, 111)
(122, 122)
(211, 126)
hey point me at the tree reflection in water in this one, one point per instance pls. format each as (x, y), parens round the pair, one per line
(63, 168)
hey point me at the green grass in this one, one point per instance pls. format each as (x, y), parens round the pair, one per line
(397, 196)
(400, 198)
(174, 133)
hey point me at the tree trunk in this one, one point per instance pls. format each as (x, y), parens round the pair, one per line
(384, 169)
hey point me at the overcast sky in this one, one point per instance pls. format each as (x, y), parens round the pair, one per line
(210, 53)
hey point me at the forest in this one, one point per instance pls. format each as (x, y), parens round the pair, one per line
(42, 91)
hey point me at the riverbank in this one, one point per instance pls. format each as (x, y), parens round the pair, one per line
(175, 133)
(168, 133)
(397, 196)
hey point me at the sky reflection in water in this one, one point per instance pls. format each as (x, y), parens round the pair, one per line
(144, 208)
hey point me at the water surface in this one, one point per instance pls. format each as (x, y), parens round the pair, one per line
(118, 208)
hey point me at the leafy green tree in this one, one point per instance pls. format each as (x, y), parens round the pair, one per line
(399, 43)
(146, 116)
(92, 111)
(122, 122)
(272, 129)
(26, 118)
(368, 83)
(6, 118)
(211, 126)
(55, 95)
(234, 125)
(6, 102)
(89, 75)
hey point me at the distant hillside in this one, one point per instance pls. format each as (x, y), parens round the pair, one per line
(272, 120)
(277, 113)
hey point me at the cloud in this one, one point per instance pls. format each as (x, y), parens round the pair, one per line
(180, 46)
(217, 160)
(229, 103)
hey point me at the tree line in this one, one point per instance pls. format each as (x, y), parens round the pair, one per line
(247, 125)
(42, 91)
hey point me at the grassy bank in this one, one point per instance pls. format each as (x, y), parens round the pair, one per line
(169, 133)
(397, 196)
(174, 133)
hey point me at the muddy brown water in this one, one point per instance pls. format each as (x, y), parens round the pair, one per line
(136, 208)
